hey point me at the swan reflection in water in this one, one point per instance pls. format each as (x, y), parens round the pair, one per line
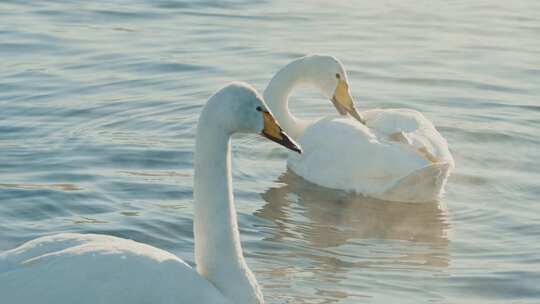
(331, 235)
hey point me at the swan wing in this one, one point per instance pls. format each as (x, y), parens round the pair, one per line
(412, 128)
(91, 268)
(342, 153)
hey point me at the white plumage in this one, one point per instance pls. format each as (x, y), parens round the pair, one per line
(395, 154)
(91, 268)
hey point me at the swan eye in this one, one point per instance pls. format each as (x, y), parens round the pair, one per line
(338, 76)
(259, 109)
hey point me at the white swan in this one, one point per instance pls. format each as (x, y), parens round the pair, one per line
(390, 154)
(91, 268)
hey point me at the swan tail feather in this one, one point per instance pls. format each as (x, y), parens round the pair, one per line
(423, 185)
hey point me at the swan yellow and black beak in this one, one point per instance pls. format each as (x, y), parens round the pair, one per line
(344, 102)
(274, 132)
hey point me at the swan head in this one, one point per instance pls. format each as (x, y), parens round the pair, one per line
(239, 108)
(329, 74)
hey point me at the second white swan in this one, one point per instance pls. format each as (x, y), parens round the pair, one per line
(390, 154)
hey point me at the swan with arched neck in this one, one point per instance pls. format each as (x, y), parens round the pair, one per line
(390, 154)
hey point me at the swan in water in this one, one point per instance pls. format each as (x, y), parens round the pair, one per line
(91, 268)
(389, 154)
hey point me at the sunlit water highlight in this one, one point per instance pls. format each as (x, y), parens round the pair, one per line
(99, 101)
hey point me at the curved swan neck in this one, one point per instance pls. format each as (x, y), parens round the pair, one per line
(277, 94)
(218, 252)
(215, 217)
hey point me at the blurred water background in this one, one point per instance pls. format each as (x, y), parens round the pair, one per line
(99, 101)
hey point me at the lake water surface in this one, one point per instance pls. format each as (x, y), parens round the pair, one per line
(99, 102)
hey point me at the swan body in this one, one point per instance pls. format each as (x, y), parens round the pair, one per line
(390, 154)
(91, 268)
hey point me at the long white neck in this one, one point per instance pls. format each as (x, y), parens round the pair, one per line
(277, 94)
(218, 252)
